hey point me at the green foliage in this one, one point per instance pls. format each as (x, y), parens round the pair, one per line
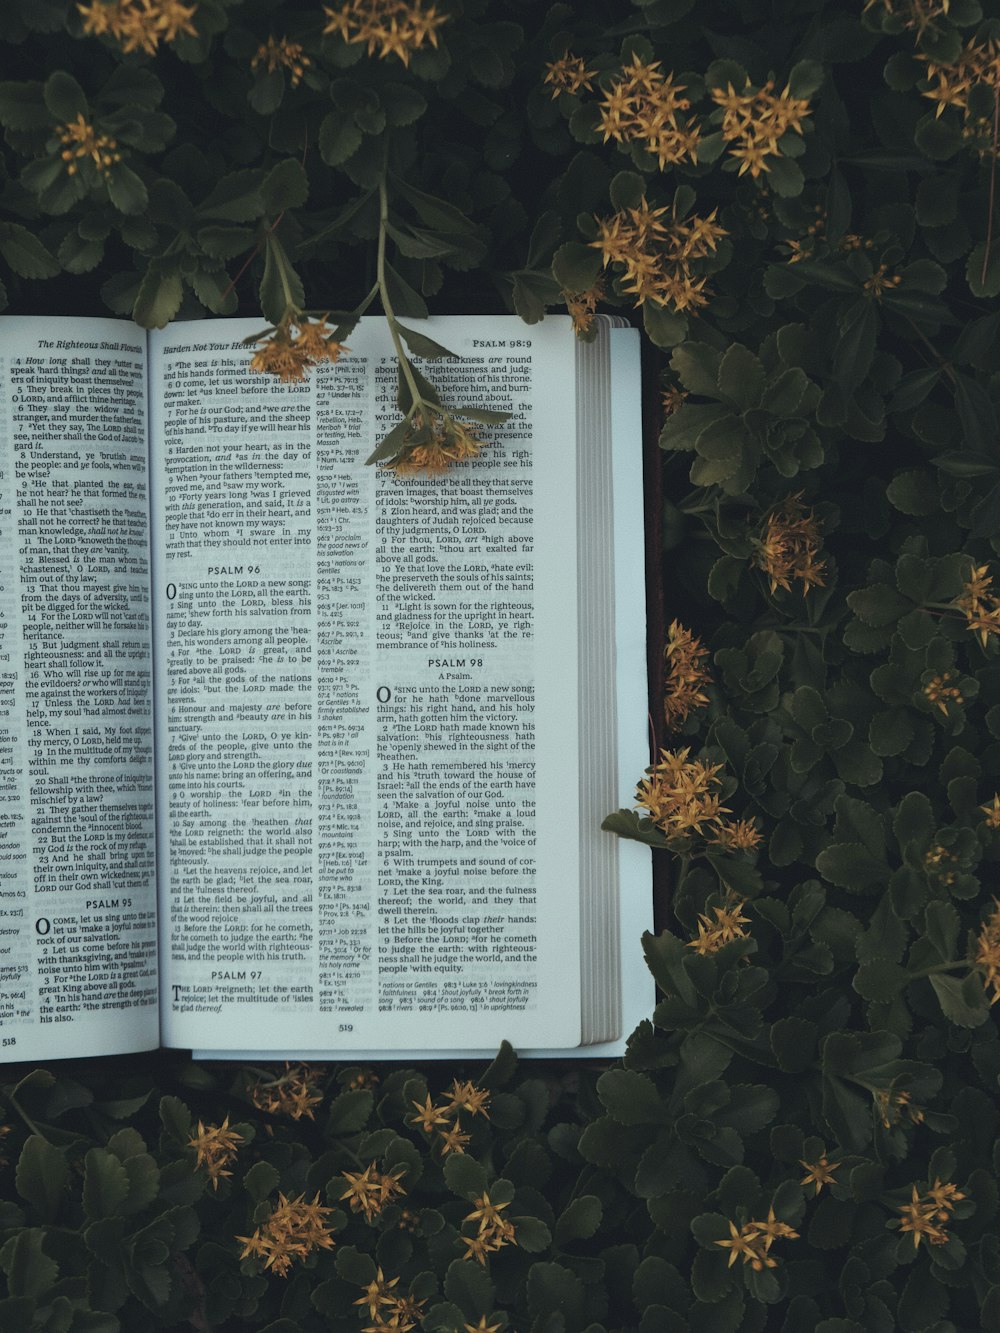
(823, 1055)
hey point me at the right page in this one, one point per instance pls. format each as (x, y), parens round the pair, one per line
(366, 700)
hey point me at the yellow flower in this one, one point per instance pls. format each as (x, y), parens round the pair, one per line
(467, 1097)
(890, 1106)
(818, 1173)
(918, 15)
(485, 1212)
(216, 1147)
(293, 1093)
(428, 1115)
(80, 139)
(453, 1139)
(728, 926)
(289, 354)
(922, 1217)
(138, 25)
(294, 1229)
(568, 74)
(937, 691)
(979, 604)
(377, 1292)
(451, 442)
(279, 53)
(686, 676)
(583, 305)
(742, 835)
(481, 1327)
(681, 795)
(392, 27)
(370, 1190)
(992, 812)
(790, 546)
(987, 955)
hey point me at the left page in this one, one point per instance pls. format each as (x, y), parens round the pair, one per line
(77, 835)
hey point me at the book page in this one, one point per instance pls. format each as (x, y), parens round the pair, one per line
(77, 890)
(366, 700)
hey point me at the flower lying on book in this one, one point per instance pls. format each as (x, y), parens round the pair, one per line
(293, 345)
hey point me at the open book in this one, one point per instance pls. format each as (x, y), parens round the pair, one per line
(298, 757)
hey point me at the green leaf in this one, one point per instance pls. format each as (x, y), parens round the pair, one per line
(741, 376)
(260, 1181)
(285, 186)
(879, 604)
(280, 287)
(464, 1176)
(42, 1176)
(349, 1112)
(983, 279)
(403, 104)
(105, 1184)
(470, 1287)
(30, 1272)
(697, 366)
(235, 198)
(126, 190)
(630, 1097)
(25, 253)
(420, 345)
(579, 1220)
(963, 1000)
(627, 190)
(941, 927)
(851, 866)
(805, 78)
(880, 980)
(339, 138)
(64, 97)
(158, 298)
(576, 267)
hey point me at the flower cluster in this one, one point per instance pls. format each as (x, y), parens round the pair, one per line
(138, 25)
(432, 444)
(569, 74)
(80, 139)
(881, 280)
(681, 796)
(753, 1241)
(293, 1093)
(216, 1147)
(391, 1312)
(938, 692)
(582, 306)
(279, 53)
(790, 546)
(754, 121)
(291, 347)
(686, 676)
(992, 812)
(293, 1231)
(659, 258)
(987, 955)
(645, 106)
(949, 83)
(891, 1106)
(979, 603)
(926, 1215)
(938, 863)
(914, 15)
(431, 1116)
(818, 1173)
(493, 1231)
(370, 1190)
(392, 27)
(727, 926)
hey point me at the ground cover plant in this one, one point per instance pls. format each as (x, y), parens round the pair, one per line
(797, 202)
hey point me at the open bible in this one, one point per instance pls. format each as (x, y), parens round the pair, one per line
(299, 757)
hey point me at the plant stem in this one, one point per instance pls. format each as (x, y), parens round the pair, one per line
(417, 403)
